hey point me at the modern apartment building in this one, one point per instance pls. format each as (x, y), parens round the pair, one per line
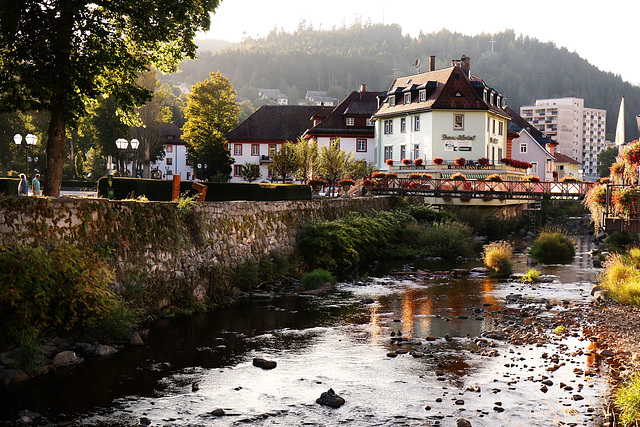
(579, 131)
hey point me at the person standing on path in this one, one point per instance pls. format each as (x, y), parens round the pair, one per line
(23, 186)
(36, 185)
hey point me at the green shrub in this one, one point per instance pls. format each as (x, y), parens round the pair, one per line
(317, 277)
(552, 245)
(426, 214)
(627, 399)
(531, 276)
(29, 354)
(445, 239)
(59, 289)
(344, 243)
(618, 240)
(487, 221)
(497, 257)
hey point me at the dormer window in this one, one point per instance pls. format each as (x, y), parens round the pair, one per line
(484, 95)
(407, 98)
(423, 95)
(492, 99)
(350, 121)
(392, 101)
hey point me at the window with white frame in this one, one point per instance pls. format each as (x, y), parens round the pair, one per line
(361, 145)
(255, 149)
(458, 122)
(403, 125)
(237, 149)
(523, 147)
(416, 123)
(416, 151)
(388, 153)
(407, 98)
(169, 161)
(534, 167)
(494, 126)
(403, 152)
(369, 122)
(392, 101)
(500, 127)
(168, 149)
(350, 121)
(388, 127)
(423, 95)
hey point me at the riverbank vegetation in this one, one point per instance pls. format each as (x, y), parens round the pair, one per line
(621, 278)
(408, 231)
(627, 399)
(58, 290)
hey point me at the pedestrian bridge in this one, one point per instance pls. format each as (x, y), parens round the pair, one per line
(481, 190)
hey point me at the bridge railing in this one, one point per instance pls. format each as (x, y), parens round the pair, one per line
(481, 188)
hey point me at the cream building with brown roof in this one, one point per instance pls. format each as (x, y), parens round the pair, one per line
(445, 113)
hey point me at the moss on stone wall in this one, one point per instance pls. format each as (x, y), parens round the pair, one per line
(164, 256)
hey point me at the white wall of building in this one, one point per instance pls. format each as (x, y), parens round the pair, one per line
(254, 153)
(174, 163)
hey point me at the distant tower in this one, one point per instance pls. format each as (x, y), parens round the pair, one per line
(492, 42)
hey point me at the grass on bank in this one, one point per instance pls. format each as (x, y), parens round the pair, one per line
(531, 276)
(627, 399)
(621, 278)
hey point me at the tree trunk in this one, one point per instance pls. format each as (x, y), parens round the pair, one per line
(55, 152)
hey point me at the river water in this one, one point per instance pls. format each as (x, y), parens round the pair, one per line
(340, 342)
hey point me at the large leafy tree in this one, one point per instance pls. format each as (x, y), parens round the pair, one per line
(60, 55)
(605, 159)
(284, 162)
(335, 163)
(211, 112)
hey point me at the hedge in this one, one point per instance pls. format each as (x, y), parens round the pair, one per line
(9, 186)
(162, 190)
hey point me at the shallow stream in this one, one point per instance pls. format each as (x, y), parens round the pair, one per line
(343, 342)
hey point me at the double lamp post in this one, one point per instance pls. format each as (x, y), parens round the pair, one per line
(123, 146)
(30, 140)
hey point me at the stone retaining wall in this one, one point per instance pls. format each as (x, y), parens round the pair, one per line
(175, 251)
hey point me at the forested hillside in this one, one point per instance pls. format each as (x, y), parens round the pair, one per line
(522, 68)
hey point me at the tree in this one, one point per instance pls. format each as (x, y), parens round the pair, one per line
(250, 172)
(334, 163)
(61, 55)
(307, 152)
(284, 162)
(211, 112)
(605, 159)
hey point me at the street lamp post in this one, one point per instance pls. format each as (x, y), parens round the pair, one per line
(134, 146)
(122, 145)
(30, 140)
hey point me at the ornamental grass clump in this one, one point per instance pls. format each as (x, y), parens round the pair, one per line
(621, 280)
(497, 257)
(553, 245)
(531, 276)
(627, 399)
(445, 239)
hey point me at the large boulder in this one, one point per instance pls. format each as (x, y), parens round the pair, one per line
(65, 358)
(264, 363)
(103, 350)
(330, 398)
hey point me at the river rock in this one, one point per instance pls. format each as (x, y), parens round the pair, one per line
(27, 417)
(65, 358)
(461, 422)
(330, 398)
(496, 335)
(367, 301)
(11, 376)
(323, 289)
(600, 296)
(264, 363)
(103, 350)
(218, 412)
(460, 272)
(144, 421)
(136, 340)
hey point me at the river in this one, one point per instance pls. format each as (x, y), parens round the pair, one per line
(340, 342)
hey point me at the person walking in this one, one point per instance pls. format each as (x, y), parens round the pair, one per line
(35, 184)
(23, 186)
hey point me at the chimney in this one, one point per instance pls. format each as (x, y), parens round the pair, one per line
(363, 88)
(466, 64)
(432, 63)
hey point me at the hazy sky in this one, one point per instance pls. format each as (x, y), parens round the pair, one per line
(605, 33)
